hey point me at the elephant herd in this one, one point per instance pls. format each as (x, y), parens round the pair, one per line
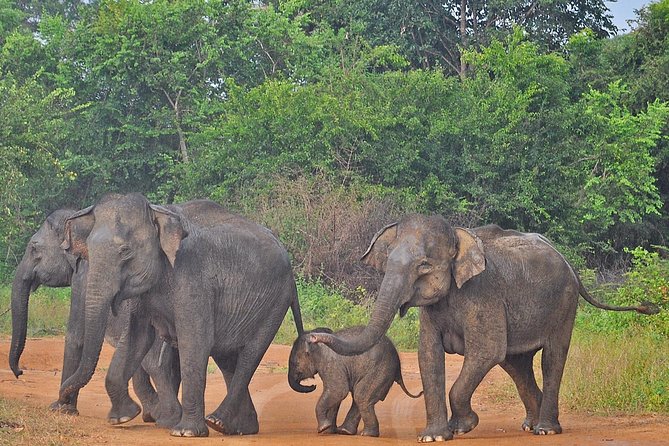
(171, 286)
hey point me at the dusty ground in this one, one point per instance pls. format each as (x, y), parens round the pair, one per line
(287, 418)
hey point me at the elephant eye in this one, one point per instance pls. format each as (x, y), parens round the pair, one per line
(424, 267)
(125, 252)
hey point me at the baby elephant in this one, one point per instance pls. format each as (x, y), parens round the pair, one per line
(367, 376)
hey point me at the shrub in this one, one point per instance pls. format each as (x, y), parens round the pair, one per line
(648, 280)
(326, 226)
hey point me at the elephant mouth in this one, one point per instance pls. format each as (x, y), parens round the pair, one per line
(404, 308)
(307, 381)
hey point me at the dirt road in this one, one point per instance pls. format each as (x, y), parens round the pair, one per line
(287, 418)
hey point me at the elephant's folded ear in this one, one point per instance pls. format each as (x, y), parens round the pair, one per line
(377, 253)
(170, 230)
(470, 259)
(77, 228)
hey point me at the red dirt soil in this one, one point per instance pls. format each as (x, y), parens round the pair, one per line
(287, 417)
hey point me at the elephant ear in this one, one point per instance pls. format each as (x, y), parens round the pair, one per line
(170, 231)
(470, 259)
(377, 253)
(77, 228)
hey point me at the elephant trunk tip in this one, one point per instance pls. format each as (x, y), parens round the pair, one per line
(302, 389)
(17, 371)
(647, 308)
(318, 338)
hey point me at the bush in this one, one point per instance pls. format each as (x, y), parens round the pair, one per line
(648, 280)
(326, 226)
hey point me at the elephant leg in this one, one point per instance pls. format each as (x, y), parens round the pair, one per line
(193, 361)
(73, 348)
(519, 368)
(327, 408)
(130, 350)
(165, 406)
(351, 422)
(236, 414)
(147, 395)
(71, 358)
(369, 418)
(432, 374)
(245, 413)
(474, 369)
(553, 359)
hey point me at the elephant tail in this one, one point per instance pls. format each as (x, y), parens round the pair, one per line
(399, 380)
(644, 307)
(297, 314)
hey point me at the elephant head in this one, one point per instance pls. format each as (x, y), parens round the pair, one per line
(422, 257)
(301, 363)
(43, 263)
(130, 246)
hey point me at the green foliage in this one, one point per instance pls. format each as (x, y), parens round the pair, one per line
(48, 311)
(621, 183)
(33, 176)
(235, 100)
(648, 280)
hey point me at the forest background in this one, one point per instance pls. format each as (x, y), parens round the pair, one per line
(326, 120)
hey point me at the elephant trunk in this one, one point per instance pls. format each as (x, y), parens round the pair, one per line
(393, 288)
(294, 380)
(21, 287)
(98, 305)
(294, 383)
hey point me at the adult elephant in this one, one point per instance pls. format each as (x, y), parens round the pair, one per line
(219, 291)
(494, 296)
(45, 263)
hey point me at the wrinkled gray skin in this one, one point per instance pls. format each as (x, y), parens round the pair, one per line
(368, 377)
(45, 263)
(492, 295)
(219, 291)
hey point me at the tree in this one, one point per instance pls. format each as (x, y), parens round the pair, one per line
(32, 173)
(432, 33)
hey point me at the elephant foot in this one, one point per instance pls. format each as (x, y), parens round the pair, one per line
(461, 425)
(371, 432)
(147, 417)
(64, 408)
(439, 433)
(346, 430)
(528, 425)
(190, 430)
(149, 410)
(547, 428)
(238, 425)
(327, 428)
(169, 418)
(124, 413)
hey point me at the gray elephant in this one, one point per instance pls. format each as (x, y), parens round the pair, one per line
(45, 263)
(220, 290)
(368, 377)
(494, 296)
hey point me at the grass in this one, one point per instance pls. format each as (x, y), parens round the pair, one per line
(23, 424)
(48, 311)
(609, 373)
